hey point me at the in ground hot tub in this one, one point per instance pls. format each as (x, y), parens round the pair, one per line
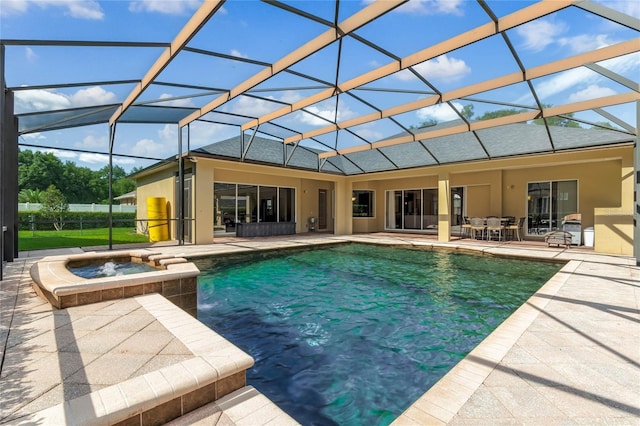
(173, 277)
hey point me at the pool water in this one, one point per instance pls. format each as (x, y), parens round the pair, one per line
(111, 269)
(354, 334)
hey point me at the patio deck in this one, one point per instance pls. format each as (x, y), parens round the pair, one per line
(570, 355)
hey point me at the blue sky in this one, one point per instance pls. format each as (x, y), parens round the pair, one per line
(253, 30)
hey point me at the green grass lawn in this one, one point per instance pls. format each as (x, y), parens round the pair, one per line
(28, 240)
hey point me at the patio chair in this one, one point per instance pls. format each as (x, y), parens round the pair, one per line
(465, 228)
(477, 226)
(516, 228)
(494, 228)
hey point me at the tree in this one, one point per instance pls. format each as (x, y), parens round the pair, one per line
(54, 206)
(499, 113)
(38, 170)
(427, 123)
(30, 196)
(76, 184)
(467, 111)
(122, 186)
(557, 121)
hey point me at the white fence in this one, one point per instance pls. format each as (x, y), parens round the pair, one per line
(117, 208)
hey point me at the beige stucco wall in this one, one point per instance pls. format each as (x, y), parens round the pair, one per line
(161, 184)
(614, 225)
(497, 187)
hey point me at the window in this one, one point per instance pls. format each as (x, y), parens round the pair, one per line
(363, 202)
(548, 203)
(235, 203)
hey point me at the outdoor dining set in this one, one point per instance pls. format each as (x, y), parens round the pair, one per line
(493, 228)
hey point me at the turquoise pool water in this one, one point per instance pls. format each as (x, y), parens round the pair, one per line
(354, 334)
(111, 269)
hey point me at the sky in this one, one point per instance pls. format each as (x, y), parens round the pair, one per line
(252, 30)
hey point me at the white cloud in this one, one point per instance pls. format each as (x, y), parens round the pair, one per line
(103, 159)
(148, 148)
(591, 92)
(370, 135)
(40, 100)
(432, 7)
(627, 64)
(439, 112)
(568, 80)
(585, 42)
(168, 133)
(564, 81)
(253, 107)
(327, 110)
(539, 34)
(13, 7)
(36, 135)
(168, 7)
(92, 96)
(91, 142)
(443, 68)
(81, 9)
(86, 9)
(61, 154)
(93, 158)
(631, 8)
(290, 96)
(237, 54)
(203, 134)
(30, 54)
(43, 100)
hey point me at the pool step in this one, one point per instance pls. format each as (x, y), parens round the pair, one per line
(245, 406)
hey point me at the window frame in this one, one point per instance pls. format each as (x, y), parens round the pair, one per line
(371, 213)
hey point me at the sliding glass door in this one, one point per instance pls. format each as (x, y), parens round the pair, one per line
(417, 209)
(548, 203)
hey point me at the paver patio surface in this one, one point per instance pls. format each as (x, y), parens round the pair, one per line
(570, 355)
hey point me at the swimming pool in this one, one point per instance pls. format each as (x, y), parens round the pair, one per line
(354, 334)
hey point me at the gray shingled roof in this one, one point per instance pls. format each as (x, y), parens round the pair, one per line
(497, 142)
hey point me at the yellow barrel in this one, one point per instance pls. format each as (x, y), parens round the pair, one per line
(157, 215)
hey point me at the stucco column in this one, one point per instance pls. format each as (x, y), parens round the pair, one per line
(444, 204)
(343, 208)
(202, 182)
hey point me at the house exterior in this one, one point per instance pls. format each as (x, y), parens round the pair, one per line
(223, 188)
(128, 199)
